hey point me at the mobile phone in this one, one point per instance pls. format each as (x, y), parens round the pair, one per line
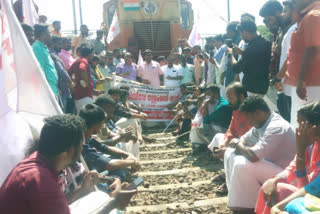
(137, 182)
(107, 179)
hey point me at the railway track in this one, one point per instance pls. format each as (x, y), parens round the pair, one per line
(175, 180)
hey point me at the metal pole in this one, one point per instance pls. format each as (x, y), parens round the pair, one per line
(74, 17)
(228, 1)
(80, 11)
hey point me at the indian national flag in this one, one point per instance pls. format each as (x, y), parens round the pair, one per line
(131, 5)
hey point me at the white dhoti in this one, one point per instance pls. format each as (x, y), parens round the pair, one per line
(244, 178)
(82, 102)
(217, 141)
(131, 147)
(313, 94)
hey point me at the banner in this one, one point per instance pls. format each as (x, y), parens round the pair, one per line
(153, 101)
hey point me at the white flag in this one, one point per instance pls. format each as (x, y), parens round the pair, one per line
(30, 15)
(114, 28)
(194, 38)
(25, 95)
(140, 59)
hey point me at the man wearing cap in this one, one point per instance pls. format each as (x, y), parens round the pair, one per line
(150, 72)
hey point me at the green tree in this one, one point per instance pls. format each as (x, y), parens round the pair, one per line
(264, 31)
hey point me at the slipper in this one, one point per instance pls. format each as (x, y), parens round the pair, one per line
(222, 190)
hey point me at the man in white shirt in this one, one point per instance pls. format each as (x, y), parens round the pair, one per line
(260, 154)
(172, 74)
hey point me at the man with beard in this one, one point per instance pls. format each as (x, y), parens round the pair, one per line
(236, 94)
(239, 125)
(260, 154)
(278, 22)
(271, 14)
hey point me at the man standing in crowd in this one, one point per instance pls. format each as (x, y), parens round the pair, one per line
(210, 68)
(271, 14)
(43, 19)
(65, 54)
(232, 36)
(186, 70)
(278, 26)
(284, 90)
(41, 52)
(304, 57)
(117, 57)
(187, 53)
(171, 74)
(150, 72)
(78, 40)
(97, 44)
(110, 62)
(255, 60)
(56, 29)
(81, 73)
(128, 69)
(197, 62)
(64, 81)
(260, 154)
(29, 32)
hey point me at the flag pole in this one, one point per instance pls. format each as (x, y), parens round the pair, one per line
(74, 17)
(228, 2)
(80, 11)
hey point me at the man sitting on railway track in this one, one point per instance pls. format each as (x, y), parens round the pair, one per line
(111, 134)
(32, 186)
(236, 94)
(260, 154)
(216, 114)
(100, 156)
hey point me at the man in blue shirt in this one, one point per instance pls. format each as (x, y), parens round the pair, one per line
(42, 35)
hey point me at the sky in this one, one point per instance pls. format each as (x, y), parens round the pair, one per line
(210, 11)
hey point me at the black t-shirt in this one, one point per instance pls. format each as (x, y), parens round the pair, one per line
(254, 64)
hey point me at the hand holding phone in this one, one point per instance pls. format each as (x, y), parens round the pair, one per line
(137, 182)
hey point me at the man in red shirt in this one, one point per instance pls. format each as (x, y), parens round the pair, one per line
(239, 125)
(32, 186)
(304, 57)
(82, 80)
(236, 94)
